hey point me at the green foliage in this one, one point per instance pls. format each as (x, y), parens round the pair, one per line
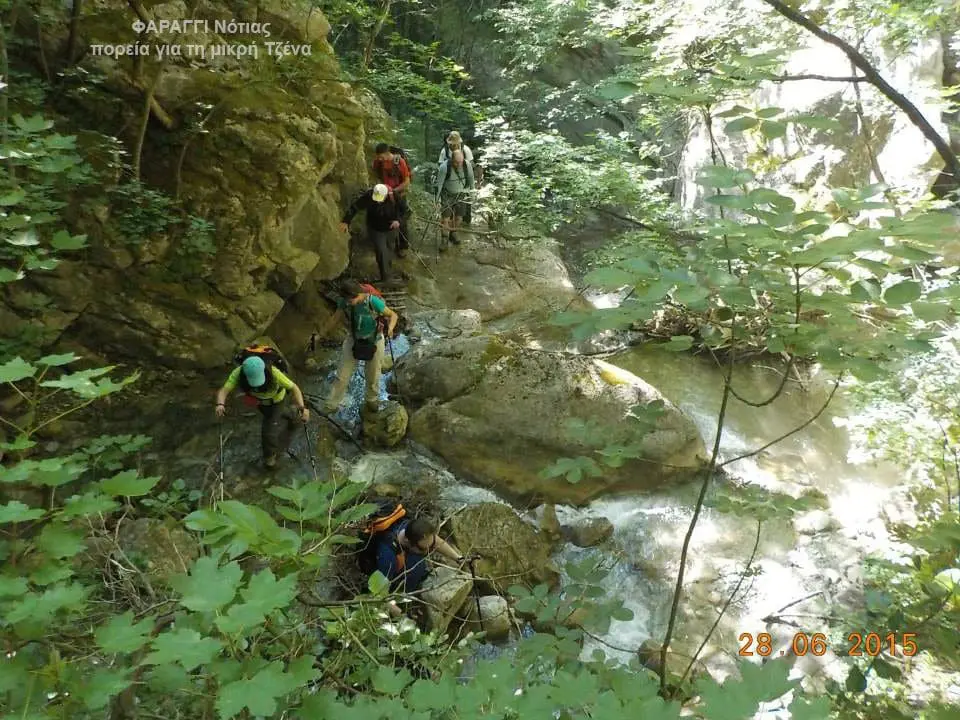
(42, 168)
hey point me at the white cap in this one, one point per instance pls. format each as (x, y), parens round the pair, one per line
(380, 192)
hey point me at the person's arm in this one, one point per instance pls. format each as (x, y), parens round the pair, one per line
(406, 175)
(360, 202)
(392, 320)
(227, 388)
(289, 385)
(441, 177)
(467, 154)
(470, 181)
(448, 550)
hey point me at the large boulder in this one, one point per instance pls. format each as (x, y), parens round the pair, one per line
(590, 533)
(495, 614)
(267, 174)
(497, 413)
(444, 593)
(511, 551)
(385, 427)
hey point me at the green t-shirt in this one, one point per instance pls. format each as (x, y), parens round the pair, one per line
(276, 394)
(363, 316)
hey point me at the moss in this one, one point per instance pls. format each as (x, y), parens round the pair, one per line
(496, 349)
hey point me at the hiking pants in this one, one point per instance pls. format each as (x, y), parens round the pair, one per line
(277, 425)
(348, 364)
(382, 242)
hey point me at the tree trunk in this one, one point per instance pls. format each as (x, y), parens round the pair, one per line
(147, 102)
(952, 170)
(74, 29)
(372, 40)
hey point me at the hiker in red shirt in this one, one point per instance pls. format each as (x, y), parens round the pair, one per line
(393, 171)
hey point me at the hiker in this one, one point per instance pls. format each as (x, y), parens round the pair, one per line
(391, 169)
(452, 142)
(454, 187)
(365, 315)
(402, 552)
(383, 221)
(266, 384)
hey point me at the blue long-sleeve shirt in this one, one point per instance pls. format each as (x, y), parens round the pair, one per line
(415, 570)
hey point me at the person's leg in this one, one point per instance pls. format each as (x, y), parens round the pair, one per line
(287, 421)
(456, 214)
(269, 430)
(371, 373)
(347, 365)
(382, 251)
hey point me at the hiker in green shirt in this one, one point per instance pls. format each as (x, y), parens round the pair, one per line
(365, 315)
(266, 385)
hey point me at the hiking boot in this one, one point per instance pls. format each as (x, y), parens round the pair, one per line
(453, 239)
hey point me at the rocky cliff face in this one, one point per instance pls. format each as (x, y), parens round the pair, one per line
(260, 146)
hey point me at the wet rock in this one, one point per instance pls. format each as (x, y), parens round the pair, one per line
(447, 324)
(496, 412)
(511, 551)
(550, 525)
(385, 427)
(495, 612)
(590, 533)
(159, 548)
(444, 593)
(814, 523)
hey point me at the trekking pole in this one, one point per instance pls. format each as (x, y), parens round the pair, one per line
(393, 367)
(313, 460)
(476, 592)
(220, 453)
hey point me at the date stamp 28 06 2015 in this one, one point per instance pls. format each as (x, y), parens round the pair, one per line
(858, 645)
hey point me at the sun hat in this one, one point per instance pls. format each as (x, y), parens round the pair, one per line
(380, 192)
(254, 370)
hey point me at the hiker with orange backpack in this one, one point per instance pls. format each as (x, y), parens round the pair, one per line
(265, 385)
(368, 318)
(398, 545)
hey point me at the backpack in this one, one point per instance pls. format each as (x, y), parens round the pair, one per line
(271, 358)
(371, 290)
(394, 170)
(380, 521)
(364, 348)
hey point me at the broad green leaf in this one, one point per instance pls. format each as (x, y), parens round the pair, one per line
(810, 709)
(865, 290)
(98, 689)
(208, 587)
(58, 541)
(856, 681)
(378, 584)
(720, 176)
(262, 596)
(258, 694)
(12, 586)
(735, 111)
(7, 275)
(388, 681)
(817, 122)
(12, 198)
(15, 511)
(769, 112)
(678, 343)
(22, 442)
(15, 370)
(617, 91)
(91, 503)
(426, 695)
(609, 277)
(24, 239)
(772, 129)
(122, 635)
(41, 609)
(739, 699)
(737, 202)
(58, 360)
(183, 646)
(129, 484)
(63, 240)
(168, 678)
(902, 293)
(931, 312)
(741, 124)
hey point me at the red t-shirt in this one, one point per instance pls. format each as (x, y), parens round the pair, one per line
(391, 173)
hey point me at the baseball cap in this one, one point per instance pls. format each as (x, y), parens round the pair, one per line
(380, 192)
(253, 370)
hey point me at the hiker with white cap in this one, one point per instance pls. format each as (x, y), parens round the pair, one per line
(383, 221)
(267, 386)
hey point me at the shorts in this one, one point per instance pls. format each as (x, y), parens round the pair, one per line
(455, 205)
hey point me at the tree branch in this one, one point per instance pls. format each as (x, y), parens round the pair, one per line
(873, 77)
(824, 78)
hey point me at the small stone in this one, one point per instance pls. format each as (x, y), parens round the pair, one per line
(591, 533)
(815, 522)
(495, 612)
(549, 524)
